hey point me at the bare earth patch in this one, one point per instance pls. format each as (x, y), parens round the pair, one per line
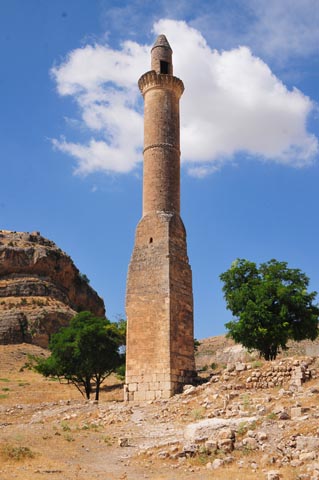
(48, 431)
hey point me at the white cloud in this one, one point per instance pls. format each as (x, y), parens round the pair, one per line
(232, 103)
(102, 81)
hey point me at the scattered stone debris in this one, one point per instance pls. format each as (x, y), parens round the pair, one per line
(218, 425)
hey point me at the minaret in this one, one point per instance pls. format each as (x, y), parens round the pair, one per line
(159, 296)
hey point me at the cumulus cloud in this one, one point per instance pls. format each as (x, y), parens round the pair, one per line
(232, 103)
(103, 83)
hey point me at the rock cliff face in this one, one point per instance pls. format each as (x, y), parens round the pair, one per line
(40, 289)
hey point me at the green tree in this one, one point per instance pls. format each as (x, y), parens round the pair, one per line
(271, 304)
(84, 353)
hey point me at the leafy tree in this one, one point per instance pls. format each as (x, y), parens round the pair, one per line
(84, 353)
(271, 304)
(196, 344)
(121, 328)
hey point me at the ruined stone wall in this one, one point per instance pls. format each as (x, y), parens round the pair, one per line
(245, 376)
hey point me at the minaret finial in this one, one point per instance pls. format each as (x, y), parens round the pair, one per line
(161, 54)
(161, 41)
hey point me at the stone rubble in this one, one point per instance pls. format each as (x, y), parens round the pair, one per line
(256, 428)
(235, 421)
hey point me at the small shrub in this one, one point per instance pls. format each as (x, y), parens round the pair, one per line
(257, 364)
(198, 413)
(65, 427)
(272, 416)
(253, 425)
(246, 450)
(108, 440)
(246, 401)
(91, 426)
(203, 455)
(9, 452)
(242, 428)
(84, 277)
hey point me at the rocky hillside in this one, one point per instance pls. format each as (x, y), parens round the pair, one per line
(218, 351)
(40, 289)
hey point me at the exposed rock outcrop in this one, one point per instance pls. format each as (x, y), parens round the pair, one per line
(40, 289)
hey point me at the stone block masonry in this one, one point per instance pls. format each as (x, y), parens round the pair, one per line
(160, 343)
(159, 297)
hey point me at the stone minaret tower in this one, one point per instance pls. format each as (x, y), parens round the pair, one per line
(159, 297)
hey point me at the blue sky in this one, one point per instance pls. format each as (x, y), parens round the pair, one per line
(71, 131)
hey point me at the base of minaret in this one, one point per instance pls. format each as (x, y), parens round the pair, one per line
(155, 387)
(159, 309)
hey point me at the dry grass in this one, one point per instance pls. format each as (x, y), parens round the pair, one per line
(39, 442)
(234, 473)
(15, 452)
(49, 448)
(28, 387)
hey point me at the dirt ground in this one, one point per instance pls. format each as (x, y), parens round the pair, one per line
(48, 431)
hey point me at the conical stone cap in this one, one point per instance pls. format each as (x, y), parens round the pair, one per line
(161, 41)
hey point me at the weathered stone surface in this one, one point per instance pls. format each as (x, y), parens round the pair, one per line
(240, 367)
(273, 475)
(217, 463)
(295, 412)
(40, 289)
(250, 443)
(307, 443)
(208, 428)
(159, 297)
(284, 416)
